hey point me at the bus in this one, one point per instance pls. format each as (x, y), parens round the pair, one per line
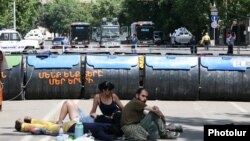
(144, 31)
(79, 34)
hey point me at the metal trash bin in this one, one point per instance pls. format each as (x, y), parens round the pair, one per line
(53, 77)
(172, 77)
(12, 78)
(122, 71)
(225, 78)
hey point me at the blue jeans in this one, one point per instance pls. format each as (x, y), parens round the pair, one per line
(154, 125)
(85, 118)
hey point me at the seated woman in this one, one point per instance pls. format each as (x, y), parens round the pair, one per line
(109, 104)
(101, 131)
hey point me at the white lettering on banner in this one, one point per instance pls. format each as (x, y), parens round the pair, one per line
(241, 63)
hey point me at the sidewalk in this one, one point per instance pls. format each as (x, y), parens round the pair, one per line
(163, 50)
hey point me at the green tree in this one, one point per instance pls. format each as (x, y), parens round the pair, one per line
(230, 10)
(139, 10)
(59, 14)
(105, 8)
(6, 14)
(26, 14)
(192, 14)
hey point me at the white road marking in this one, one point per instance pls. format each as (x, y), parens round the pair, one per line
(238, 107)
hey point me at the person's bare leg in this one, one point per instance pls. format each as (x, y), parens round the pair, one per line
(69, 107)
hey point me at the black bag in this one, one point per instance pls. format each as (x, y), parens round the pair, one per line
(115, 120)
(103, 119)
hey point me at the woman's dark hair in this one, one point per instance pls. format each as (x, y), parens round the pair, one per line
(106, 85)
(138, 91)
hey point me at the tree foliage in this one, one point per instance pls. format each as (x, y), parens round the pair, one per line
(168, 15)
(192, 14)
(5, 13)
(26, 14)
(105, 8)
(138, 10)
(59, 14)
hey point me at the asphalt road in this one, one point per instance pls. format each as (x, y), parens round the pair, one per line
(192, 115)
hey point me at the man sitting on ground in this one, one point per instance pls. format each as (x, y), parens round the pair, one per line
(138, 126)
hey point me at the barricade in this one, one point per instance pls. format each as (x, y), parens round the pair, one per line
(12, 78)
(122, 71)
(225, 78)
(172, 77)
(53, 77)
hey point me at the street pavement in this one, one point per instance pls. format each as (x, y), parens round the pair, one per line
(192, 115)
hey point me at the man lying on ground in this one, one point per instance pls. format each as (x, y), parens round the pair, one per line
(101, 131)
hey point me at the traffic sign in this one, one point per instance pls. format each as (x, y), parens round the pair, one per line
(214, 18)
(214, 24)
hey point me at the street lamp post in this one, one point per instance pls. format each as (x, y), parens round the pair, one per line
(214, 18)
(14, 14)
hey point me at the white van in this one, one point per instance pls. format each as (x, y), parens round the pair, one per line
(11, 41)
(35, 34)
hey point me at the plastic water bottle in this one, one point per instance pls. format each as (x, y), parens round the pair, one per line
(79, 129)
(60, 134)
(60, 131)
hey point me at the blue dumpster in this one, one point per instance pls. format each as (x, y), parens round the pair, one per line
(12, 78)
(122, 71)
(172, 77)
(53, 77)
(225, 78)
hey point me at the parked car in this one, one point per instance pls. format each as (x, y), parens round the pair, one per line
(11, 41)
(35, 34)
(57, 42)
